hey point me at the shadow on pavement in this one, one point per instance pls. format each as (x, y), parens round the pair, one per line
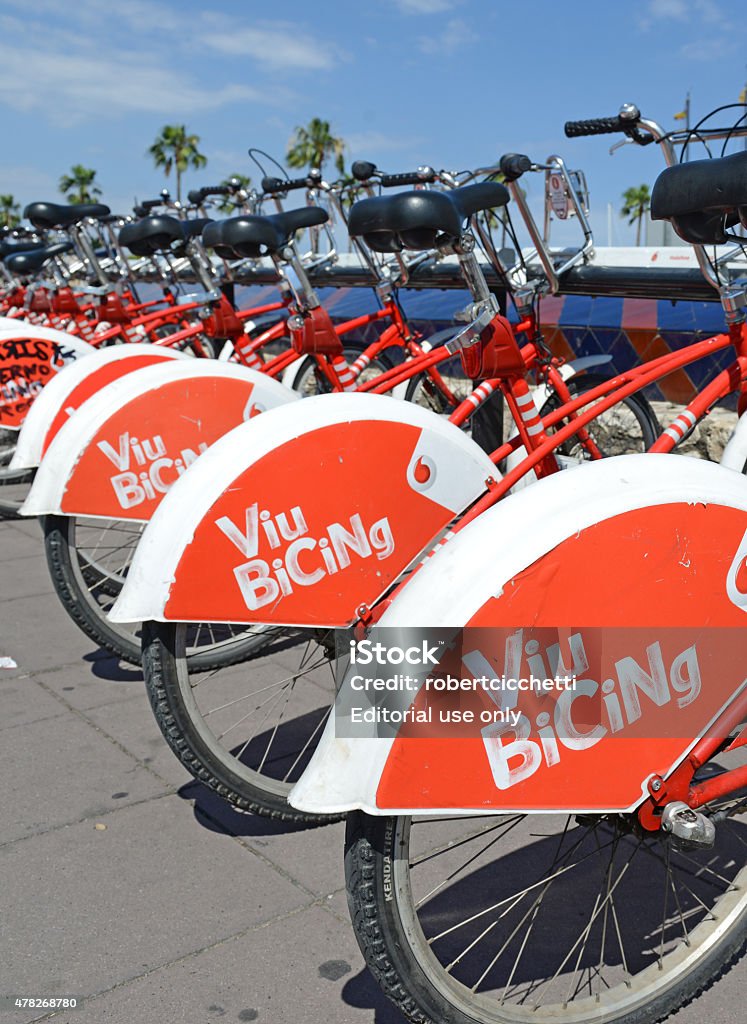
(362, 993)
(110, 668)
(216, 814)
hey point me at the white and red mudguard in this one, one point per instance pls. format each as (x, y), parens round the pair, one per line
(74, 385)
(119, 453)
(304, 516)
(632, 546)
(31, 357)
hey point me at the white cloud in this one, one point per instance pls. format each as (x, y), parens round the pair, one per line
(683, 11)
(455, 35)
(277, 46)
(711, 12)
(70, 86)
(424, 6)
(677, 9)
(71, 63)
(708, 49)
(231, 161)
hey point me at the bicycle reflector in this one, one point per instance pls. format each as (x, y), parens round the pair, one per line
(495, 354)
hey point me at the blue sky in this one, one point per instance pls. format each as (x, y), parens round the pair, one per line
(453, 83)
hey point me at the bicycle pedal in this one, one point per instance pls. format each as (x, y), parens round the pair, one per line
(688, 829)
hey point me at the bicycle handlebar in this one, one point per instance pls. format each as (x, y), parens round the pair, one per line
(643, 131)
(311, 180)
(197, 195)
(144, 208)
(362, 170)
(513, 165)
(597, 126)
(424, 175)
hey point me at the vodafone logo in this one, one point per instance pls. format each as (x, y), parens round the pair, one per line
(740, 577)
(421, 473)
(736, 577)
(252, 409)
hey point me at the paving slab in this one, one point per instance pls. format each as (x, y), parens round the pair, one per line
(30, 578)
(93, 681)
(24, 537)
(23, 700)
(313, 857)
(91, 909)
(28, 527)
(132, 723)
(38, 633)
(61, 770)
(323, 979)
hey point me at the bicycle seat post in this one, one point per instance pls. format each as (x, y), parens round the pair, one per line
(289, 255)
(83, 244)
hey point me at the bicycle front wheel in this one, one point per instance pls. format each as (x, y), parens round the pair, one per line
(548, 919)
(629, 426)
(247, 730)
(311, 381)
(14, 483)
(89, 560)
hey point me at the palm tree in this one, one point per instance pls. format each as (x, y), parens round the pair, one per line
(636, 204)
(9, 211)
(229, 203)
(79, 185)
(310, 146)
(175, 150)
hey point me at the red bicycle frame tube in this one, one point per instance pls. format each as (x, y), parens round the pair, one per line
(427, 360)
(270, 307)
(396, 334)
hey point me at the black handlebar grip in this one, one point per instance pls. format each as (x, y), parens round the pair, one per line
(284, 184)
(513, 165)
(144, 208)
(408, 178)
(362, 170)
(597, 126)
(196, 195)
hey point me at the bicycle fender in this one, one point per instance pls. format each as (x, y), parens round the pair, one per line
(291, 372)
(9, 325)
(567, 370)
(124, 447)
(583, 363)
(305, 516)
(30, 358)
(66, 392)
(651, 553)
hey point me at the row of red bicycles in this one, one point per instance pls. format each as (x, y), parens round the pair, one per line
(458, 589)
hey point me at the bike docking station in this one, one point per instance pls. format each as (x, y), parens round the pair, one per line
(457, 587)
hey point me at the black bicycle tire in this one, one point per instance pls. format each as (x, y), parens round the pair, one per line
(369, 853)
(184, 739)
